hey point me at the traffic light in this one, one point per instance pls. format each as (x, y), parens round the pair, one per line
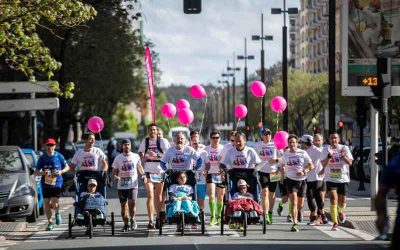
(381, 73)
(191, 6)
(340, 125)
(361, 112)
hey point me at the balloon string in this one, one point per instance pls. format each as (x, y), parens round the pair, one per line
(277, 122)
(169, 127)
(261, 103)
(202, 118)
(237, 124)
(102, 145)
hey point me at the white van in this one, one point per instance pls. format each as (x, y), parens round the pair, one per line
(173, 131)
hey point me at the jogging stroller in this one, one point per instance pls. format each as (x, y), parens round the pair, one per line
(181, 218)
(90, 211)
(250, 211)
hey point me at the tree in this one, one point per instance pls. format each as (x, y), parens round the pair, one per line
(20, 43)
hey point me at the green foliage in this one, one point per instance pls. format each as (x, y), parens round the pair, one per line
(164, 123)
(20, 43)
(124, 120)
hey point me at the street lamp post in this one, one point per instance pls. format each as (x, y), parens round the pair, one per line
(227, 97)
(284, 58)
(262, 38)
(233, 70)
(228, 104)
(245, 58)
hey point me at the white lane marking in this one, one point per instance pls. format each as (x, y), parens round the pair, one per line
(48, 235)
(339, 234)
(361, 234)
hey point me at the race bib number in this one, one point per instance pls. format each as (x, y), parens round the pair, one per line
(274, 176)
(200, 179)
(335, 173)
(155, 178)
(216, 178)
(126, 182)
(50, 180)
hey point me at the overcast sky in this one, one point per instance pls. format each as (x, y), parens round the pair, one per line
(194, 49)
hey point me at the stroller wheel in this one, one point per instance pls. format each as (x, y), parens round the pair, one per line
(244, 224)
(202, 220)
(90, 226)
(70, 225)
(160, 223)
(222, 219)
(112, 224)
(264, 224)
(182, 224)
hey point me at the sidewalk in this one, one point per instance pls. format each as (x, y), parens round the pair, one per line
(361, 217)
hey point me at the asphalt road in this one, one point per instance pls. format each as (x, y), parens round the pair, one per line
(278, 235)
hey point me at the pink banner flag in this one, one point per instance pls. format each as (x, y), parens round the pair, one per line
(150, 80)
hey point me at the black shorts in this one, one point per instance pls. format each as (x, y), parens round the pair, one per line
(340, 187)
(127, 194)
(51, 192)
(298, 187)
(265, 181)
(209, 180)
(317, 185)
(162, 176)
(283, 188)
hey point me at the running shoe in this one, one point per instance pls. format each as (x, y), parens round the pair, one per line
(212, 221)
(279, 210)
(151, 225)
(294, 228)
(268, 219)
(219, 221)
(324, 219)
(342, 218)
(335, 226)
(178, 229)
(232, 226)
(194, 226)
(125, 228)
(133, 224)
(289, 218)
(313, 220)
(50, 226)
(58, 219)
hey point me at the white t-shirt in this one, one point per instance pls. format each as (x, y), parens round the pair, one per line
(214, 156)
(153, 167)
(337, 169)
(200, 178)
(127, 170)
(180, 159)
(180, 190)
(89, 160)
(267, 151)
(315, 155)
(295, 162)
(246, 158)
(226, 148)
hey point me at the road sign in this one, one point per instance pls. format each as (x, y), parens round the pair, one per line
(25, 87)
(29, 104)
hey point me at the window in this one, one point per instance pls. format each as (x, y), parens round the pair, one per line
(10, 161)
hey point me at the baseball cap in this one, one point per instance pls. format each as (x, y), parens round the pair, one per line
(265, 130)
(92, 181)
(50, 141)
(241, 182)
(126, 141)
(306, 138)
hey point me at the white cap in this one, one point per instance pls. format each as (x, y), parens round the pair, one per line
(241, 182)
(92, 181)
(306, 138)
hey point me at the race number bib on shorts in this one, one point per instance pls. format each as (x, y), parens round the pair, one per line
(335, 173)
(126, 182)
(274, 176)
(155, 178)
(50, 180)
(216, 178)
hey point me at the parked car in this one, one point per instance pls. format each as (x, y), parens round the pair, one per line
(33, 159)
(18, 188)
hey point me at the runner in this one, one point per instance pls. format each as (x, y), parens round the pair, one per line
(318, 141)
(51, 166)
(125, 171)
(151, 150)
(201, 172)
(315, 181)
(336, 161)
(296, 163)
(228, 146)
(194, 134)
(214, 178)
(268, 174)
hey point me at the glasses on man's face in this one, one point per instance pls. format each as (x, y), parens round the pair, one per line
(215, 137)
(266, 134)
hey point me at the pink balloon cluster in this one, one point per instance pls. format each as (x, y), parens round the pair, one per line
(95, 124)
(197, 91)
(281, 139)
(182, 103)
(168, 110)
(278, 104)
(258, 89)
(240, 111)
(185, 116)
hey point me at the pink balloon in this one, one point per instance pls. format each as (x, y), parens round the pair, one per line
(281, 139)
(168, 110)
(182, 103)
(240, 111)
(278, 104)
(258, 89)
(185, 116)
(197, 91)
(95, 124)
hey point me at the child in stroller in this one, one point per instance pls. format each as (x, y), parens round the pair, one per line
(182, 200)
(91, 203)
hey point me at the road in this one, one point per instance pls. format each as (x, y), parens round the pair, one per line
(278, 235)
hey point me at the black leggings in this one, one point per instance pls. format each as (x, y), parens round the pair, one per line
(314, 200)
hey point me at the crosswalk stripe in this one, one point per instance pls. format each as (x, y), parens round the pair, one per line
(339, 234)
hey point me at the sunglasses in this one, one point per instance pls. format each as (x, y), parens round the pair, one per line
(50, 145)
(268, 133)
(233, 140)
(215, 137)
